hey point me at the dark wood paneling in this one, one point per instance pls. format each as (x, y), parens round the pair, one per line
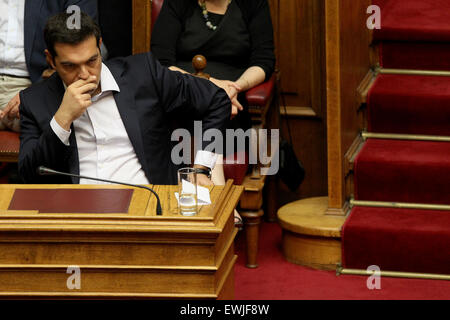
(299, 38)
(347, 63)
(309, 143)
(141, 26)
(300, 44)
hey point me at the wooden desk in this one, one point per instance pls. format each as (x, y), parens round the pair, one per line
(137, 254)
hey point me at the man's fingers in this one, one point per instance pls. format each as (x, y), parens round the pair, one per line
(85, 97)
(86, 103)
(14, 113)
(7, 111)
(88, 88)
(81, 82)
(8, 108)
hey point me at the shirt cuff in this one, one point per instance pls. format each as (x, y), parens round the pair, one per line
(62, 134)
(206, 159)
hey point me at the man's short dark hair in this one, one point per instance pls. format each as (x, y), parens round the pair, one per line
(57, 31)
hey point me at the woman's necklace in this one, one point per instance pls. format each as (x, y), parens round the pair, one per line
(202, 4)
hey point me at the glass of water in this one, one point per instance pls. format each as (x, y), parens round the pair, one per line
(187, 191)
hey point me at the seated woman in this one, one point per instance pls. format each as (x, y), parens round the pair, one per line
(235, 36)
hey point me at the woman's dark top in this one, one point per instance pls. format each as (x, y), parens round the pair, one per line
(243, 38)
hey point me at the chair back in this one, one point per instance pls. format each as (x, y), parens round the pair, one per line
(156, 8)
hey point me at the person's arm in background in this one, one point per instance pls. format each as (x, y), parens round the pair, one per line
(166, 31)
(262, 58)
(165, 35)
(262, 64)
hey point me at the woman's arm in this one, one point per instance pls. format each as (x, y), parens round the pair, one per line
(166, 31)
(262, 58)
(261, 34)
(251, 78)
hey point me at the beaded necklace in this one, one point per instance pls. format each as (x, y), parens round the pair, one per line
(202, 4)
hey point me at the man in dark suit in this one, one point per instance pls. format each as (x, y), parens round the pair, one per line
(110, 120)
(33, 15)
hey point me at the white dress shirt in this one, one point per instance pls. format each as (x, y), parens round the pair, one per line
(12, 48)
(104, 148)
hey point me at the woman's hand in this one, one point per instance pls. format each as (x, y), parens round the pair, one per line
(232, 89)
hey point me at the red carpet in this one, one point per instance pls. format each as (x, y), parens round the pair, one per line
(415, 55)
(397, 239)
(403, 171)
(414, 34)
(410, 104)
(277, 279)
(414, 20)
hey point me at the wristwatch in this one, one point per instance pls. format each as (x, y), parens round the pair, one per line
(206, 172)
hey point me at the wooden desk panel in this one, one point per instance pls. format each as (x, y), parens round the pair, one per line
(137, 254)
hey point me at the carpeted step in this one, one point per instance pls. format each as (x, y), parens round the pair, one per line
(414, 34)
(397, 240)
(409, 104)
(414, 20)
(415, 55)
(403, 171)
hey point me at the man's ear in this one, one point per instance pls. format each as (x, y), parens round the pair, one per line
(49, 59)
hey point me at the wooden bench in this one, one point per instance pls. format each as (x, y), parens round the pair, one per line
(9, 146)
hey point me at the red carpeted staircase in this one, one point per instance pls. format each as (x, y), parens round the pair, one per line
(413, 168)
(415, 34)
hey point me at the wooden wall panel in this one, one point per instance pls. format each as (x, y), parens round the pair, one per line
(355, 59)
(347, 62)
(141, 25)
(299, 39)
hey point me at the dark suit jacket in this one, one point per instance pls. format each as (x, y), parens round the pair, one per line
(149, 96)
(37, 13)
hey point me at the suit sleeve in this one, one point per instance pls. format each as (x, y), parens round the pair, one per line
(191, 96)
(38, 147)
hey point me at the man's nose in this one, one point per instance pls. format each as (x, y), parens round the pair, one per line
(83, 73)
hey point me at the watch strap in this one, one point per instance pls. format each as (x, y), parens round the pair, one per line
(206, 172)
